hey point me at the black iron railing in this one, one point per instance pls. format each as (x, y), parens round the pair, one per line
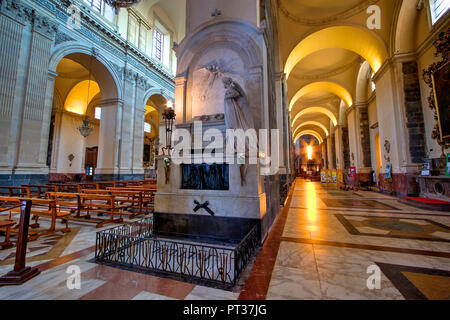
(134, 246)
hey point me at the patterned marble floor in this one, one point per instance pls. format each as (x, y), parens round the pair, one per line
(326, 244)
(320, 247)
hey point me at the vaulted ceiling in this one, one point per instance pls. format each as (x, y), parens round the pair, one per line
(323, 44)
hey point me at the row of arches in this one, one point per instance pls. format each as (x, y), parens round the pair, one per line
(87, 87)
(357, 106)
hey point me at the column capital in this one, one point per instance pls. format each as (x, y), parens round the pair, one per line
(361, 105)
(180, 81)
(110, 102)
(279, 76)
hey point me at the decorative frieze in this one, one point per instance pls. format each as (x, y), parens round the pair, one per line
(61, 38)
(14, 10)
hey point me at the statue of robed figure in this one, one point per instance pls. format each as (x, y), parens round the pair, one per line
(238, 116)
(237, 111)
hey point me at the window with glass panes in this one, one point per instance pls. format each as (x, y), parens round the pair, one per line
(157, 45)
(438, 8)
(97, 5)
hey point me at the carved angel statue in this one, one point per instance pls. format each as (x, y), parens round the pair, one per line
(237, 111)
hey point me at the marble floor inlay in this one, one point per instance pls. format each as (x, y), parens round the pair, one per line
(325, 244)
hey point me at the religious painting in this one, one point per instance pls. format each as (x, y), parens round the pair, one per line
(441, 86)
(388, 172)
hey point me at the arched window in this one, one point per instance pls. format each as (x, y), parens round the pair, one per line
(438, 8)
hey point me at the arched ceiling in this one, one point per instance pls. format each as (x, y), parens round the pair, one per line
(308, 132)
(77, 100)
(322, 86)
(322, 46)
(314, 110)
(357, 40)
(314, 124)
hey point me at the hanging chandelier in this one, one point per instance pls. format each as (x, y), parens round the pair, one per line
(86, 128)
(117, 4)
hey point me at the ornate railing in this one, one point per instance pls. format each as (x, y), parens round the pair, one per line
(135, 247)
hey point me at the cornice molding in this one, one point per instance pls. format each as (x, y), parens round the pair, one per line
(317, 22)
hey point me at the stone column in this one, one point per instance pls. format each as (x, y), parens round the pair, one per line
(353, 135)
(280, 113)
(365, 165)
(12, 22)
(392, 126)
(181, 111)
(33, 138)
(138, 126)
(345, 148)
(339, 147)
(330, 151)
(109, 138)
(127, 123)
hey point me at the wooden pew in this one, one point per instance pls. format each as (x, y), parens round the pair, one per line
(132, 198)
(15, 192)
(82, 205)
(39, 191)
(40, 208)
(5, 226)
(148, 195)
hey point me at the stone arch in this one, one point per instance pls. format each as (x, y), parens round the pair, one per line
(105, 75)
(220, 30)
(243, 46)
(328, 86)
(356, 39)
(343, 114)
(405, 27)
(362, 82)
(309, 110)
(313, 133)
(157, 91)
(314, 123)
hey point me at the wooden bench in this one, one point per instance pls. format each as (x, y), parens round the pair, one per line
(15, 192)
(5, 226)
(40, 208)
(82, 205)
(39, 191)
(135, 200)
(148, 195)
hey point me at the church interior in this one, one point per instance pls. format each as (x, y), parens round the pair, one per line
(224, 150)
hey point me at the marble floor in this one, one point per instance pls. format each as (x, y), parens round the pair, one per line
(325, 244)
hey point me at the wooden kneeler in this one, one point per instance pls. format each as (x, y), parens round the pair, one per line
(21, 273)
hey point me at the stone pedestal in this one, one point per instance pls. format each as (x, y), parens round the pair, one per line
(435, 187)
(236, 210)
